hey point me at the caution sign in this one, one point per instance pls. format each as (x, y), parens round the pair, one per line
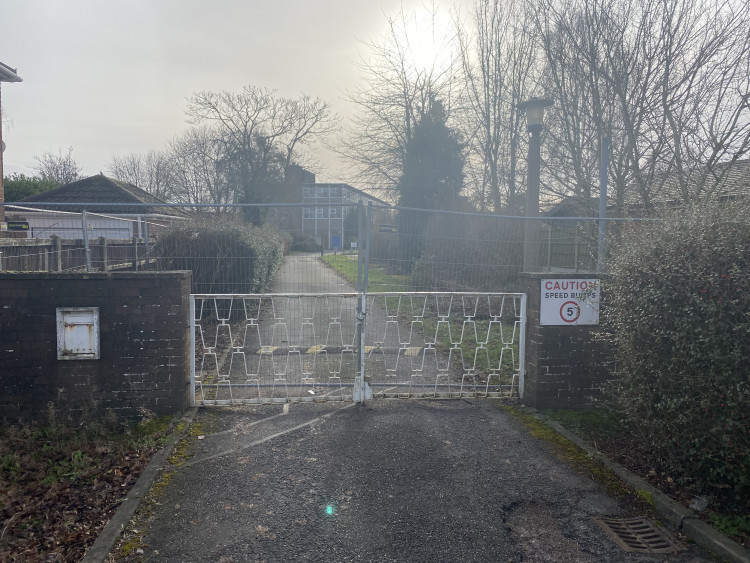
(570, 302)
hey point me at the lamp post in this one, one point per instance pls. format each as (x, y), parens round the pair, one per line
(534, 108)
(7, 74)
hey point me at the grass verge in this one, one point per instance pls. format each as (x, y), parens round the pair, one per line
(608, 434)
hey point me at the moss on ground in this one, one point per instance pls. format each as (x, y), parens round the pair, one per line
(570, 453)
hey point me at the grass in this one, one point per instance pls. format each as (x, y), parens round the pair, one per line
(570, 453)
(377, 280)
(607, 433)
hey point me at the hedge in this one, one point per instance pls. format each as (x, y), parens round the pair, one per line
(225, 255)
(678, 316)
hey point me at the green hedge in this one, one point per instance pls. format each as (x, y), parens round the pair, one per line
(225, 256)
(678, 315)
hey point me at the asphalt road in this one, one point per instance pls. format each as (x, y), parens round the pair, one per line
(393, 480)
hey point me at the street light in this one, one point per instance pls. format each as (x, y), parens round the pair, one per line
(534, 108)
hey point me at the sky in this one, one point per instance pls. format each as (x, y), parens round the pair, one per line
(110, 78)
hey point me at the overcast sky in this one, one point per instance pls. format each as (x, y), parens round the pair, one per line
(111, 77)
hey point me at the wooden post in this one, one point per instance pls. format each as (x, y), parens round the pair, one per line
(135, 253)
(103, 250)
(57, 249)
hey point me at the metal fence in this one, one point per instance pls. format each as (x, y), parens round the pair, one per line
(417, 250)
(265, 348)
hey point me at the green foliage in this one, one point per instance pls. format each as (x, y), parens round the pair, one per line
(225, 255)
(678, 317)
(20, 186)
(303, 243)
(480, 253)
(732, 526)
(431, 179)
(433, 164)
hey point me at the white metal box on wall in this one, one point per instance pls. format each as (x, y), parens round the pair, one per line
(78, 333)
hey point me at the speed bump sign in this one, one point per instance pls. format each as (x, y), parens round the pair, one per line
(569, 302)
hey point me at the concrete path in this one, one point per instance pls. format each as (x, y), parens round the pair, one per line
(390, 481)
(306, 273)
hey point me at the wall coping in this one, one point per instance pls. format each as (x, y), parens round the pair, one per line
(562, 275)
(173, 274)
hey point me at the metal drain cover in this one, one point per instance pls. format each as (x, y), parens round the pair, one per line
(638, 535)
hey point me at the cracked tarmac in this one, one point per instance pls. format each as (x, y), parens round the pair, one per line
(393, 480)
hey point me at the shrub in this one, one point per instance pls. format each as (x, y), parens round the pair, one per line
(304, 243)
(461, 253)
(678, 315)
(225, 256)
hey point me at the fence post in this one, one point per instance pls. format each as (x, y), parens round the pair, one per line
(57, 249)
(360, 313)
(85, 229)
(103, 246)
(135, 253)
(602, 251)
(1, 261)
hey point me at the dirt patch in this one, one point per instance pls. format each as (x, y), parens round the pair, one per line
(60, 485)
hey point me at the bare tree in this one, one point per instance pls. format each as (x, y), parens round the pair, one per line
(151, 171)
(498, 63)
(59, 168)
(396, 94)
(260, 133)
(666, 80)
(197, 168)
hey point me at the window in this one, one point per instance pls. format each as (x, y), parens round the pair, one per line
(308, 192)
(320, 212)
(336, 191)
(307, 213)
(321, 192)
(335, 212)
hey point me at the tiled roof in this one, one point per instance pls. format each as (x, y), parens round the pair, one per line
(720, 182)
(95, 192)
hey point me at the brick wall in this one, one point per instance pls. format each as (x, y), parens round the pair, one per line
(564, 364)
(144, 345)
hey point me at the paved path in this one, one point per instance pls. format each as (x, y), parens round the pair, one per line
(389, 481)
(394, 480)
(306, 273)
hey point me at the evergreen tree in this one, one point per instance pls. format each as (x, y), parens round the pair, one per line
(433, 165)
(432, 178)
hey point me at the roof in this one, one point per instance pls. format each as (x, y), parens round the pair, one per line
(98, 194)
(8, 74)
(721, 181)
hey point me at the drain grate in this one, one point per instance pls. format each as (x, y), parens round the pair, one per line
(638, 535)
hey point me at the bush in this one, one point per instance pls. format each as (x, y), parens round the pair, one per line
(678, 315)
(304, 243)
(475, 253)
(225, 256)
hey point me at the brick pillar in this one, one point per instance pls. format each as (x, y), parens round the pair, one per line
(564, 363)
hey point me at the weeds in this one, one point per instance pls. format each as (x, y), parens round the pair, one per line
(59, 484)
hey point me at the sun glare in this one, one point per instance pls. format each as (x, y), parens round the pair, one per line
(426, 38)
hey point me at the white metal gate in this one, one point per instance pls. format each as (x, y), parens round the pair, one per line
(265, 348)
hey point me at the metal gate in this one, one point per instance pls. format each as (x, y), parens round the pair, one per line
(268, 348)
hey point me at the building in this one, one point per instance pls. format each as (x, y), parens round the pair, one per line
(114, 210)
(320, 211)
